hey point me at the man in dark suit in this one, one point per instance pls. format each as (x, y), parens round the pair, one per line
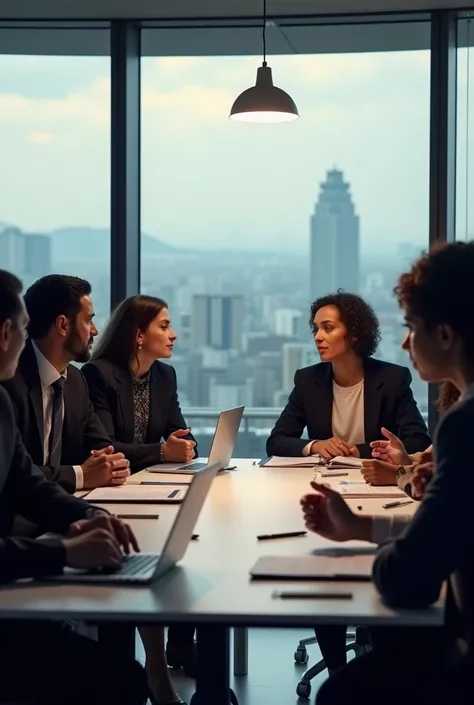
(59, 426)
(41, 661)
(56, 418)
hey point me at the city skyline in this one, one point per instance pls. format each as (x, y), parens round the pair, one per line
(240, 183)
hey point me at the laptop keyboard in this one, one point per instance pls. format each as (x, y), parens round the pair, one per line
(193, 466)
(137, 564)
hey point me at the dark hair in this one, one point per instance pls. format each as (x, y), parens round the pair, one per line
(52, 296)
(363, 329)
(10, 291)
(118, 341)
(439, 288)
(448, 395)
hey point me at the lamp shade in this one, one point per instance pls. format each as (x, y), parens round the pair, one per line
(264, 102)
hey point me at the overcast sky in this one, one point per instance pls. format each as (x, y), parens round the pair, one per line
(206, 179)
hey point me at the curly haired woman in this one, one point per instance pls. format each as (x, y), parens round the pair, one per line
(347, 399)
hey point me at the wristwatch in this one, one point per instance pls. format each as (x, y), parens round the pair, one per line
(401, 471)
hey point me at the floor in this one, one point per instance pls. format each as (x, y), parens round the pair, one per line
(273, 674)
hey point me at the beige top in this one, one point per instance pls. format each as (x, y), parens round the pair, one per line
(348, 413)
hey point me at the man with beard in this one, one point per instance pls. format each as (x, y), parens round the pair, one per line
(56, 418)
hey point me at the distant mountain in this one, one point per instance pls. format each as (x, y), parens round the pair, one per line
(79, 244)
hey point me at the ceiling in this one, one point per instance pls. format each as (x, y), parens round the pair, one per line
(183, 9)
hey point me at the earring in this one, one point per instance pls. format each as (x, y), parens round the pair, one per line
(140, 345)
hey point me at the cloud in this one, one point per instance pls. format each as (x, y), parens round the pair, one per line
(40, 137)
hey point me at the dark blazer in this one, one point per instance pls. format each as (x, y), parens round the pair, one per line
(110, 389)
(439, 541)
(24, 490)
(388, 401)
(82, 429)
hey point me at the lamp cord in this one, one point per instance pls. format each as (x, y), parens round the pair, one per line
(264, 32)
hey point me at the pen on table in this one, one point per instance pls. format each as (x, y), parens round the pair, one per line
(295, 595)
(402, 503)
(163, 482)
(137, 516)
(285, 535)
(332, 473)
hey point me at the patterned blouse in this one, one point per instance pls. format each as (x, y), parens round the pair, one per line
(141, 407)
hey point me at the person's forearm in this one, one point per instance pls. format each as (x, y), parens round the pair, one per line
(362, 528)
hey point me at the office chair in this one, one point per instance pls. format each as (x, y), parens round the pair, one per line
(358, 642)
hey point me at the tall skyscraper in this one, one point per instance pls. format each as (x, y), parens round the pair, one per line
(217, 322)
(334, 226)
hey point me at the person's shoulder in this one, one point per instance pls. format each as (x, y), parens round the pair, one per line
(101, 365)
(386, 370)
(7, 413)
(317, 371)
(458, 421)
(161, 370)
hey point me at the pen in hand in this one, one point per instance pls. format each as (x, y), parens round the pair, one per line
(285, 535)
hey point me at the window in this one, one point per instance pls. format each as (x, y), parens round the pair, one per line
(464, 132)
(55, 176)
(243, 225)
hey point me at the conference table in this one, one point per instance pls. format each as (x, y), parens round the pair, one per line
(211, 587)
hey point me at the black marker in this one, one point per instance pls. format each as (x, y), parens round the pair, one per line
(286, 535)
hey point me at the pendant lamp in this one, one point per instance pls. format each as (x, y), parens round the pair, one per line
(264, 102)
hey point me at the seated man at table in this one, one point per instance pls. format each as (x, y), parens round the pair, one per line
(42, 662)
(437, 544)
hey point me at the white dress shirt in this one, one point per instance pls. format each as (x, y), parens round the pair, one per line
(48, 375)
(347, 415)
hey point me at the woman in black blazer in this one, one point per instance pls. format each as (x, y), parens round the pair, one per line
(347, 399)
(344, 402)
(135, 397)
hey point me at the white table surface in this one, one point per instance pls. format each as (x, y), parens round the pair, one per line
(212, 584)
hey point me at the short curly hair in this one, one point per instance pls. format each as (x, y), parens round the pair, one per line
(439, 288)
(362, 325)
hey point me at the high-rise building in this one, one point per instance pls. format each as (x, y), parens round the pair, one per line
(334, 226)
(12, 248)
(296, 356)
(37, 255)
(217, 322)
(26, 255)
(287, 322)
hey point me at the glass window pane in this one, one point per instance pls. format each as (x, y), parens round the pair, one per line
(244, 225)
(55, 176)
(464, 132)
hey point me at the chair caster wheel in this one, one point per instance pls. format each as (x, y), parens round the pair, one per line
(303, 690)
(301, 655)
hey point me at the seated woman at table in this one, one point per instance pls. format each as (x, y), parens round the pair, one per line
(391, 463)
(135, 397)
(346, 399)
(435, 546)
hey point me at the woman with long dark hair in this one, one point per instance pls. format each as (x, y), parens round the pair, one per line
(135, 396)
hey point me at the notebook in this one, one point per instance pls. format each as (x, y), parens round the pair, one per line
(137, 494)
(364, 490)
(341, 461)
(310, 567)
(276, 461)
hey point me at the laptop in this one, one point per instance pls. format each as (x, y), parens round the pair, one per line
(222, 445)
(145, 568)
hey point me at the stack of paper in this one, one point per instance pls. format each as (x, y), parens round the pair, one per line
(137, 494)
(364, 490)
